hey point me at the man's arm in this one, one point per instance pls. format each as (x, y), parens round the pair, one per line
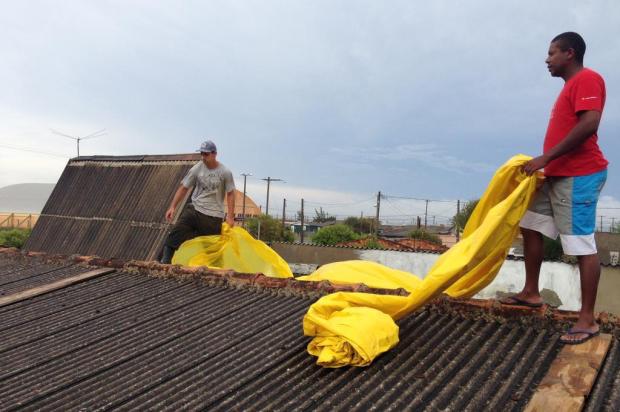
(230, 202)
(586, 126)
(180, 194)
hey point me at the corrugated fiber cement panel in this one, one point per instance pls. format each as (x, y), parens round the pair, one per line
(131, 342)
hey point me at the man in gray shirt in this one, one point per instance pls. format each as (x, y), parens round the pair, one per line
(213, 183)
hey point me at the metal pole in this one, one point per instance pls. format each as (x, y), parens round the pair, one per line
(456, 221)
(269, 180)
(245, 175)
(302, 221)
(283, 215)
(267, 206)
(377, 217)
(425, 214)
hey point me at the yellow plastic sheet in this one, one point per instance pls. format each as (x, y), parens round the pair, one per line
(234, 249)
(354, 328)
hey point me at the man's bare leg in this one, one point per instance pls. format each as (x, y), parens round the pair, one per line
(589, 274)
(533, 253)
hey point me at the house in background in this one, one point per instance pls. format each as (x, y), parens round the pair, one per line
(251, 209)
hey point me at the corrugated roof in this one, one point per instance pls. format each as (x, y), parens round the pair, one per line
(111, 206)
(160, 337)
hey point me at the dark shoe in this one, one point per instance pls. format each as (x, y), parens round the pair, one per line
(516, 301)
(578, 331)
(167, 255)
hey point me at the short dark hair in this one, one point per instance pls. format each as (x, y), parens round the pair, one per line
(571, 40)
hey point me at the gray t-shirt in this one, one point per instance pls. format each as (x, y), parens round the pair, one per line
(211, 186)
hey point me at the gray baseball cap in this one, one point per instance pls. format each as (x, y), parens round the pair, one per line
(207, 146)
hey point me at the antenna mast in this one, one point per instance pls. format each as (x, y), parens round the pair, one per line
(77, 139)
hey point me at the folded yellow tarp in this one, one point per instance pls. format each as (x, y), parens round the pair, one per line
(234, 249)
(354, 328)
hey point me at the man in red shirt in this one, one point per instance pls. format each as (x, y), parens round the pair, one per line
(575, 172)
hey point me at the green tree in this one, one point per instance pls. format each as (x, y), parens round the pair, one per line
(270, 229)
(361, 225)
(332, 235)
(14, 237)
(322, 216)
(460, 219)
(422, 234)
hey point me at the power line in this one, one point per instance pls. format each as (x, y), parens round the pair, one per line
(341, 204)
(23, 149)
(415, 198)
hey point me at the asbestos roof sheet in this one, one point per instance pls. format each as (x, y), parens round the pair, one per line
(110, 206)
(18, 276)
(142, 339)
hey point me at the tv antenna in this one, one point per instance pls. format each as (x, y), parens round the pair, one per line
(98, 133)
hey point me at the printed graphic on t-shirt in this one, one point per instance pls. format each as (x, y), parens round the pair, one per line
(210, 182)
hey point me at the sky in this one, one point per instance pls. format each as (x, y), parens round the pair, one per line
(339, 99)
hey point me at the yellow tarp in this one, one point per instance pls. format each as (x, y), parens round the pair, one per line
(352, 328)
(234, 249)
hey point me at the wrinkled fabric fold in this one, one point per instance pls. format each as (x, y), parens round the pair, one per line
(234, 249)
(462, 271)
(354, 328)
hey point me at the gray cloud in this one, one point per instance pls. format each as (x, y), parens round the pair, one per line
(448, 91)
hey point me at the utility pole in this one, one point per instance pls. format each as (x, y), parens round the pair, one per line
(377, 217)
(425, 214)
(283, 215)
(456, 220)
(611, 229)
(601, 223)
(269, 180)
(301, 233)
(245, 175)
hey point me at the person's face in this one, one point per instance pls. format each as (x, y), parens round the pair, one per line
(558, 60)
(207, 156)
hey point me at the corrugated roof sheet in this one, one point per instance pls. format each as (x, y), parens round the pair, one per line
(160, 337)
(129, 341)
(110, 206)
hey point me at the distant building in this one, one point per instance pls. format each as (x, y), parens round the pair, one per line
(309, 228)
(251, 209)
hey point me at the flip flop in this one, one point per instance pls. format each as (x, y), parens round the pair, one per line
(576, 331)
(520, 302)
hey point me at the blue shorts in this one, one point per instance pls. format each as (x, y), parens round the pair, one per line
(566, 206)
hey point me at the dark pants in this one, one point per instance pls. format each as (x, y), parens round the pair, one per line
(192, 224)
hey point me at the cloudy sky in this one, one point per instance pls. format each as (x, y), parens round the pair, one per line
(341, 99)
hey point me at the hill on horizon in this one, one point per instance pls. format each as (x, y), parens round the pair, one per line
(25, 197)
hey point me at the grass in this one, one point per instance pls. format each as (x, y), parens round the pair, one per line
(14, 237)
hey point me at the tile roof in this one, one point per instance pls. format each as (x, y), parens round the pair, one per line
(152, 336)
(409, 245)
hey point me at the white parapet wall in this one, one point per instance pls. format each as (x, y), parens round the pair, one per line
(561, 278)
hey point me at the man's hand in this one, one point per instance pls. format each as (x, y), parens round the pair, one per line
(230, 220)
(535, 164)
(169, 214)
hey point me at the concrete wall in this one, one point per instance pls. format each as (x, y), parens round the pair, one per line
(559, 282)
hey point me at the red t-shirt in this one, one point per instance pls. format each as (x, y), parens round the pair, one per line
(584, 91)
